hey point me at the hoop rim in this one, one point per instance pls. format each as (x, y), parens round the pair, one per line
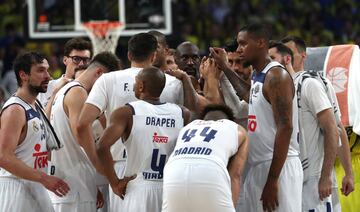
(102, 28)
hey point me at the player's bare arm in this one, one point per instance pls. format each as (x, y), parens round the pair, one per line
(241, 87)
(190, 95)
(73, 103)
(237, 164)
(84, 135)
(328, 126)
(279, 91)
(11, 135)
(120, 126)
(347, 185)
(211, 74)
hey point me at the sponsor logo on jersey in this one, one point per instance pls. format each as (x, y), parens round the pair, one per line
(41, 158)
(160, 139)
(252, 123)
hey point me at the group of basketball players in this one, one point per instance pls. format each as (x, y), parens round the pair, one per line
(154, 138)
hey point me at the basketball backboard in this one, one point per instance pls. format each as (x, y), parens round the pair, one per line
(64, 18)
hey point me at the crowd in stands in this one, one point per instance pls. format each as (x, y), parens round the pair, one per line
(205, 23)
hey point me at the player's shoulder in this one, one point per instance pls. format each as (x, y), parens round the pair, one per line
(172, 80)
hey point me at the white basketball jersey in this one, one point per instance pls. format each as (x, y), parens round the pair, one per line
(115, 89)
(261, 124)
(152, 138)
(32, 151)
(70, 161)
(212, 140)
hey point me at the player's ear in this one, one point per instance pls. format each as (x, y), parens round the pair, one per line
(23, 76)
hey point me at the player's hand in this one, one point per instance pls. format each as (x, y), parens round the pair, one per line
(99, 199)
(220, 57)
(325, 187)
(63, 81)
(269, 196)
(179, 74)
(119, 188)
(347, 185)
(55, 184)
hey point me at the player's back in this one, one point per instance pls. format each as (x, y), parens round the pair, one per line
(152, 138)
(212, 140)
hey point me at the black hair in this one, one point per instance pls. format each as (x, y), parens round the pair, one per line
(258, 30)
(141, 46)
(77, 44)
(24, 61)
(282, 49)
(107, 59)
(231, 46)
(299, 42)
(154, 80)
(218, 107)
(160, 37)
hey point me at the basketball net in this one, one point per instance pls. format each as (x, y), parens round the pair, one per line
(104, 35)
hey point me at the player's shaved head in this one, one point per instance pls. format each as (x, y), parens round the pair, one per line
(153, 80)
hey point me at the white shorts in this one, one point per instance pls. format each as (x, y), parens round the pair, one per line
(75, 207)
(21, 195)
(194, 185)
(115, 202)
(290, 186)
(142, 196)
(311, 199)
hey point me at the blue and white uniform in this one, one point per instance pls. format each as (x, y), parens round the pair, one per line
(151, 141)
(262, 130)
(196, 176)
(18, 194)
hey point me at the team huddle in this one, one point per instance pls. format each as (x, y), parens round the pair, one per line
(243, 129)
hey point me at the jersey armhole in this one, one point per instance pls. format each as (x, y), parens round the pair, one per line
(131, 107)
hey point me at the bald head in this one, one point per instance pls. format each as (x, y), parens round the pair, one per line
(151, 81)
(187, 57)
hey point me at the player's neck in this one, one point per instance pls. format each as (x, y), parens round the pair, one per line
(150, 99)
(86, 82)
(26, 95)
(261, 63)
(144, 64)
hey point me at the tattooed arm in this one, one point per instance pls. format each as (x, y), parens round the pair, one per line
(279, 91)
(241, 87)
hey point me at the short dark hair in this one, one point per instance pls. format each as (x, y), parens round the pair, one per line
(282, 49)
(77, 44)
(107, 59)
(160, 37)
(299, 42)
(231, 46)
(24, 61)
(218, 107)
(141, 46)
(258, 30)
(154, 80)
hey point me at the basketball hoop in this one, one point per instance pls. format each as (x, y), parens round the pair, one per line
(104, 35)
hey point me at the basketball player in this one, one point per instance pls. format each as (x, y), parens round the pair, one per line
(77, 51)
(149, 129)
(113, 90)
(274, 165)
(72, 161)
(204, 171)
(170, 59)
(23, 152)
(319, 136)
(282, 54)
